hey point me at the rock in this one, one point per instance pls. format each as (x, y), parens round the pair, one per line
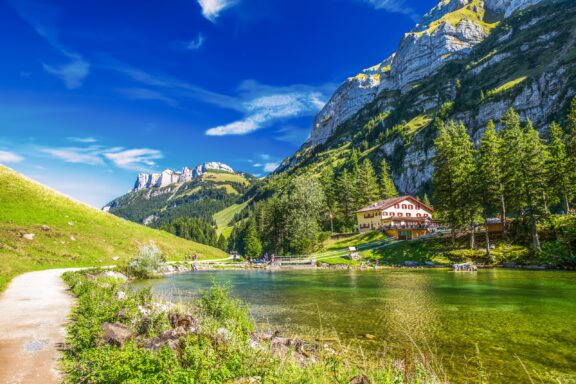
(72, 238)
(45, 228)
(361, 379)
(121, 295)
(170, 338)
(409, 263)
(115, 258)
(510, 265)
(537, 267)
(28, 236)
(465, 267)
(183, 320)
(116, 334)
(224, 334)
(115, 275)
(170, 177)
(248, 380)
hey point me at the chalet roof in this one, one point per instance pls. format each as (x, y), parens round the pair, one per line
(381, 205)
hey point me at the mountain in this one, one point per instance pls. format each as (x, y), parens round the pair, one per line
(199, 192)
(469, 61)
(40, 228)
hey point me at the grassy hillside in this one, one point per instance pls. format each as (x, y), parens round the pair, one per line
(68, 233)
(224, 218)
(200, 198)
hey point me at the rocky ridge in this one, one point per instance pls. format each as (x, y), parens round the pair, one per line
(170, 177)
(448, 32)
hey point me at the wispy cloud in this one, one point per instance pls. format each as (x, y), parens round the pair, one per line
(44, 18)
(292, 134)
(72, 74)
(264, 105)
(134, 158)
(137, 159)
(196, 43)
(10, 157)
(147, 94)
(82, 139)
(211, 9)
(395, 6)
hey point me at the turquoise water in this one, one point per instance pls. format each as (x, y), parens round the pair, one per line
(507, 326)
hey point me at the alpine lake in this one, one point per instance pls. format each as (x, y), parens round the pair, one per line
(493, 326)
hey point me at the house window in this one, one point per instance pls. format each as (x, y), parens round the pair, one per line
(399, 214)
(385, 214)
(397, 206)
(417, 207)
(418, 215)
(411, 206)
(425, 215)
(408, 215)
(403, 206)
(392, 214)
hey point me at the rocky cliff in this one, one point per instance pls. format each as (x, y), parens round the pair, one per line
(468, 60)
(447, 33)
(169, 177)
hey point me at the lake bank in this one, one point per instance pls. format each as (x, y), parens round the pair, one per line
(466, 320)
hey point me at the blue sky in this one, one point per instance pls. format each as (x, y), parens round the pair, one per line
(93, 92)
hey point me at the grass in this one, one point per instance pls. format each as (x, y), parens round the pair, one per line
(416, 124)
(76, 235)
(221, 350)
(224, 177)
(358, 239)
(225, 216)
(506, 86)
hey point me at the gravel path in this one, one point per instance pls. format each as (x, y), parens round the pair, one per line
(33, 313)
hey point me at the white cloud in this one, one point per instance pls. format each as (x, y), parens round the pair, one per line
(211, 9)
(82, 139)
(257, 165)
(72, 74)
(196, 44)
(138, 159)
(271, 167)
(89, 156)
(395, 6)
(134, 159)
(10, 157)
(263, 109)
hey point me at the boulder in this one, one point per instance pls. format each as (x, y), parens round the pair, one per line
(28, 236)
(170, 338)
(116, 334)
(45, 228)
(465, 267)
(115, 275)
(409, 263)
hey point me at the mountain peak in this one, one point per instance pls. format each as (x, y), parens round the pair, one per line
(169, 176)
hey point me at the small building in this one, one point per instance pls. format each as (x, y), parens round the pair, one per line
(402, 217)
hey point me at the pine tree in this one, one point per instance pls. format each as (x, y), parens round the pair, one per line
(387, 187)
(560, 171)
(346, 203)
(510, 164)
(533, 179)
(252, 245)
(453, 178)
(426, 200)
(489, 179)
(222, 242)
(367, 190)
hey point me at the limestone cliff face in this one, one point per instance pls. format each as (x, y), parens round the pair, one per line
(170, 177)
(448, 32)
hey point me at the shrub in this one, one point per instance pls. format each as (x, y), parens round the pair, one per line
(146, 263)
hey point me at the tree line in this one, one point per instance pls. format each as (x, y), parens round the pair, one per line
(197, 230)
(512, 172)
(298, 218)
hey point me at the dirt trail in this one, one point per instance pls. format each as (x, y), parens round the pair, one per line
(33, 313)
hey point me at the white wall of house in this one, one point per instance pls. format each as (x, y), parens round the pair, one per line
(407, 208)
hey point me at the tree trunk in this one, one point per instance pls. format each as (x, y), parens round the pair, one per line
(488, 253)
(535, 238)
(545, 201)
(566, 203)
(503, 217)
(473, 236)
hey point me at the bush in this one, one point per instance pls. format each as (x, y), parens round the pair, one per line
(147, 263)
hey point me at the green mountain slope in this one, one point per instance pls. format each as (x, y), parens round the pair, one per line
(202, 197)
(528, 61)
(68, 233)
